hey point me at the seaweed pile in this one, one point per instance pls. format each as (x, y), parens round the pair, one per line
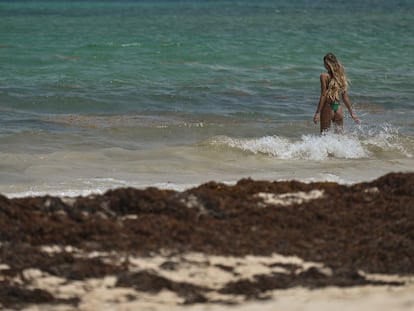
(351, 231)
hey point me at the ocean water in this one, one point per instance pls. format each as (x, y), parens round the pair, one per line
(104, 94)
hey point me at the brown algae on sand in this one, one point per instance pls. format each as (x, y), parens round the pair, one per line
(213, 244)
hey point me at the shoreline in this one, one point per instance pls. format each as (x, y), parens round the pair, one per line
(255, 244)
(73, 187)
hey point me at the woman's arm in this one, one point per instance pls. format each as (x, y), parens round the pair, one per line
(348, 106)
(322, 99)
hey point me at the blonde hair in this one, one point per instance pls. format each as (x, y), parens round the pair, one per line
(337, 83)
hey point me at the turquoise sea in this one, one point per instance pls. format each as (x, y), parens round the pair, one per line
(102, 94)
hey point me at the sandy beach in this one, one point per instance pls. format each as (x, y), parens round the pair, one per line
(254, 245)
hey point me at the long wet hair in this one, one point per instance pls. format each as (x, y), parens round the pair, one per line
(337, 83)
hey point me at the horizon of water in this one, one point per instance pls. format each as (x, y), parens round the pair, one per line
(103, 94)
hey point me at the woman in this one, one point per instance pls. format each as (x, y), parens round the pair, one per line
(333, 85)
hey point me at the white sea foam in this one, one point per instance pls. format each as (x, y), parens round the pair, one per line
(92, 186)
(309, 147)
(77, 187)
(360, 143)
(385, 137)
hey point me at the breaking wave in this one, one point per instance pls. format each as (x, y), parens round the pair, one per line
(359, 144)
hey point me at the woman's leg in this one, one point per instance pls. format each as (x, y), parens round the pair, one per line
(327, 115)
(338, 120)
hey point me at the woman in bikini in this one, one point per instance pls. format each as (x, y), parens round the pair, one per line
(333, 85)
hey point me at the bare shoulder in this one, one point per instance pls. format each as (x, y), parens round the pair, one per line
(324, 79)
(324, 76)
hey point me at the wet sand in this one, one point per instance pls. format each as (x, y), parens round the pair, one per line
(254, 245)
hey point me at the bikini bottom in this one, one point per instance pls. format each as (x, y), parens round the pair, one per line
(334, 106)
